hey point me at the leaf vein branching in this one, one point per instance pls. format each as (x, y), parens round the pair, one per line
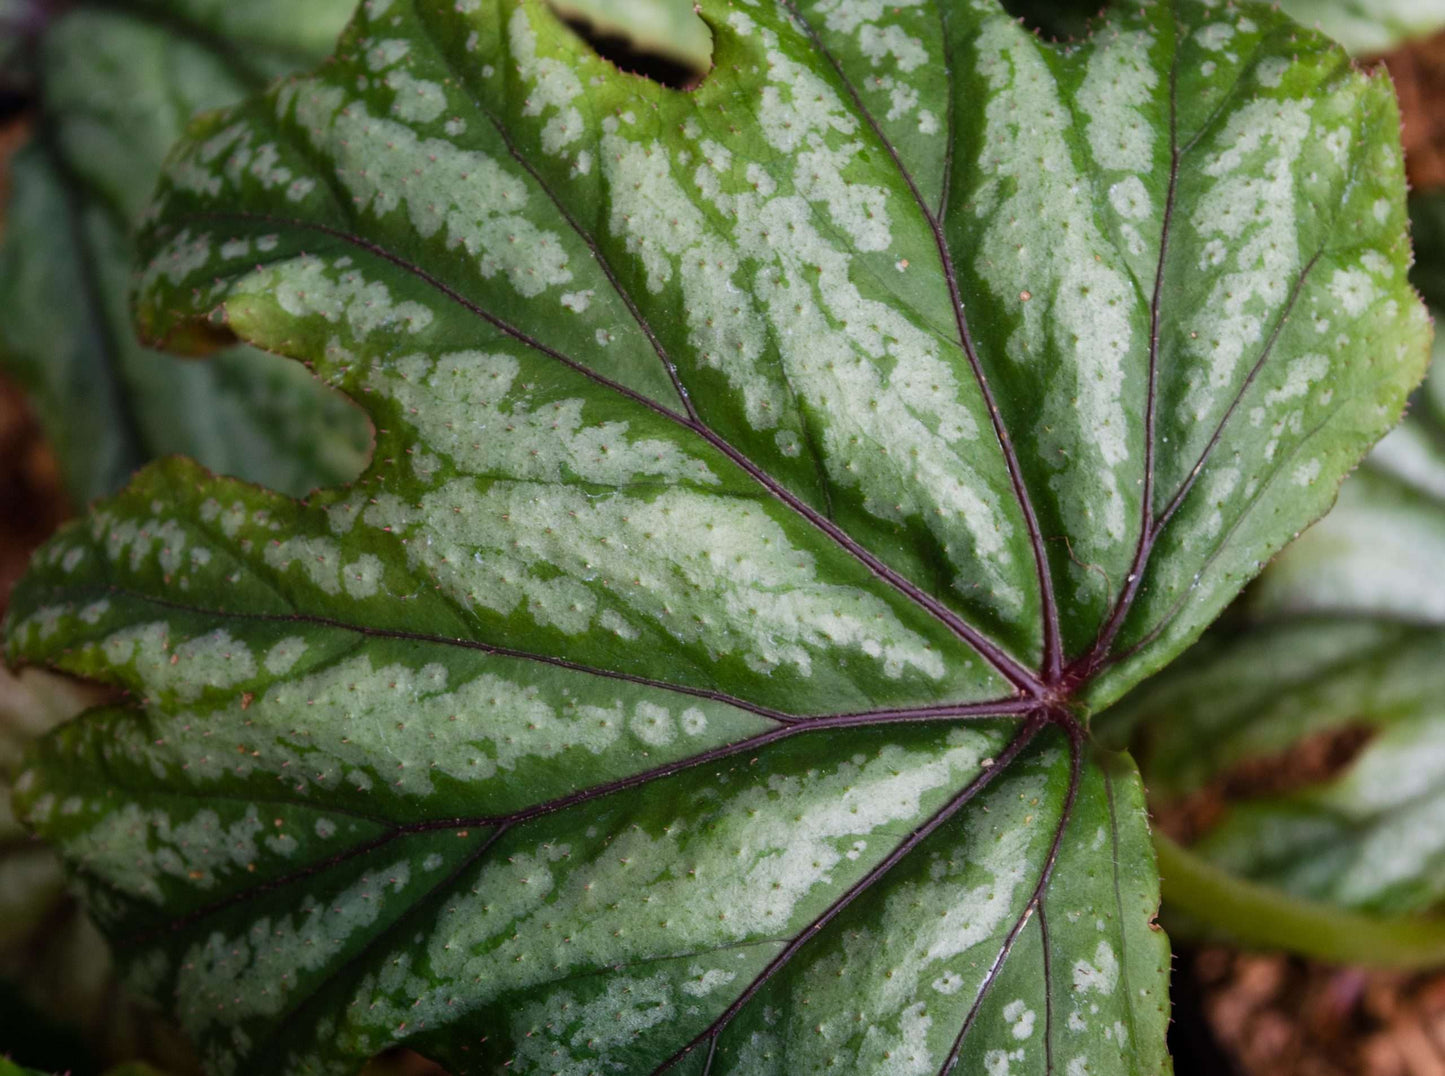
(900, 851)
(1053, 654)
(341, 972)
(1239, 89)
(1066, 812)
(1147, 529)
(1099, 656)
(584, 795)
(1153, 634)
(1008, 667)
(604, 263)
(1013, 705)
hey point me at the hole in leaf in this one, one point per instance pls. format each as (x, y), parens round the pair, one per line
(1060, 20)
(663, 40)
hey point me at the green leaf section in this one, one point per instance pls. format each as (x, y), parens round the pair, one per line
(769, 480)
(60, 1002)
(1343, 632)
(117, 86)
(1367, 838)
(1267, 917)
(9, 1068)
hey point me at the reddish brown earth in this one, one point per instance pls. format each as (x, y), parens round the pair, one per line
(1419, 73)
(1276, 1015)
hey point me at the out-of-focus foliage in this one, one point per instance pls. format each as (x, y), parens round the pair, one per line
(112, 86)
(1369, 27)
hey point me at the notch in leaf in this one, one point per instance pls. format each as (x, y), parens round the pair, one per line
(663, 40)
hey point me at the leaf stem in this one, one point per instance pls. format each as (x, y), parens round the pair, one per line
(1261, 916)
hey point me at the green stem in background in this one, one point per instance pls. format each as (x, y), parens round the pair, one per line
(1259, 916)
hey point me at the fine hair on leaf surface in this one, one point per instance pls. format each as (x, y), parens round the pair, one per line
(771, 478)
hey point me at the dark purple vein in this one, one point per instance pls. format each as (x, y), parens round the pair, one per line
(1053, 651)
(279, 882)
(728, 751)
(1017, 674)
(341, 972)
(1178, 498)
(1099, 656)
(988, 707)
(978, 784)
(1076, 754)
(1021, 677)
(604, 265)
(586, 795)
(150, 793)
(951, 128)
(1147, 529)
(1173, 611)
(1048, 989)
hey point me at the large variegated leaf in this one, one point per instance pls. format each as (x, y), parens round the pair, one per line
(770, 479)
(117, 84)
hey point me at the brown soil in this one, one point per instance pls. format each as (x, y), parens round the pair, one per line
(32, 504)
(1281, 1016)
(1419, 73)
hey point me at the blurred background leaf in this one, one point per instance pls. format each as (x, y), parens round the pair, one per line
(109, 90)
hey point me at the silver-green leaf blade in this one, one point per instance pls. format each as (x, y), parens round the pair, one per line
(769, 479)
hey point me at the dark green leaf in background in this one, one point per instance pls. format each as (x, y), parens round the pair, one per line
(1344, 633)
(771, 478)
(115, 85)
(1427, 225)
